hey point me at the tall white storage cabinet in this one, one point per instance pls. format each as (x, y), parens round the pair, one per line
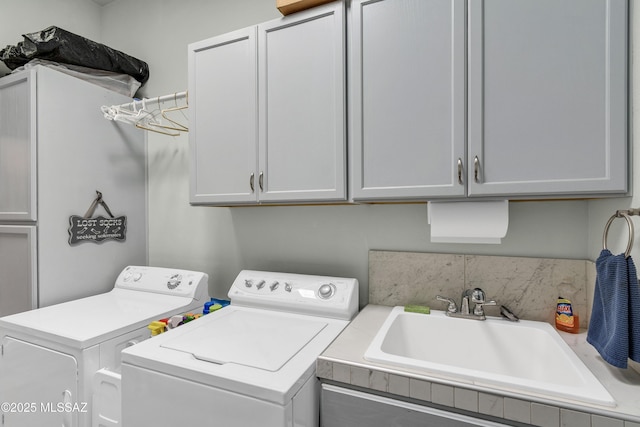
(56, 151)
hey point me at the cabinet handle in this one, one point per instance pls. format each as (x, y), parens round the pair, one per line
(261, 181)
(67, 399)
(460, 171)
(251, 181)
(476, 169)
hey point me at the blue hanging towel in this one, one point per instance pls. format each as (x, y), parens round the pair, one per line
(614, 329)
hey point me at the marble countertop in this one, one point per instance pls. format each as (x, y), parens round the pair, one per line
(623, 385)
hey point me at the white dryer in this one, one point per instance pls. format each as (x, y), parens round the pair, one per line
(49, 356)
(252, 364)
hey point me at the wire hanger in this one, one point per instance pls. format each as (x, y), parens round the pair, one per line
(176, 126)
(164, 112)
(151, 123)
(146, 119)
(143, 127)
(137, 114)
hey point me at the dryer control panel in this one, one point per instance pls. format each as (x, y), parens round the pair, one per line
(326, 296)
(170, 281)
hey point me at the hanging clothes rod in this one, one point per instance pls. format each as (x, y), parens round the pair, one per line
(146, 113)
(178, 96)
(626, 214)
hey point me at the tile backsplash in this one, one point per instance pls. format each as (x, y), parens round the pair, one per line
(527, 286)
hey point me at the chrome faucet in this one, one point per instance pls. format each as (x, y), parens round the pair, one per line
(470, 296)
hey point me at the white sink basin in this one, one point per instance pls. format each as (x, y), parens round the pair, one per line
(525, 357)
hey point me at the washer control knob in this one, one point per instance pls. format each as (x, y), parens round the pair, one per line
(287, 286)
(274, 286)
(248, 283)
(174, 281)
(327, 290)
(137, 277)
(260, 284)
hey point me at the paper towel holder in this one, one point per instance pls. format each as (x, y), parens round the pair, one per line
(475, 222)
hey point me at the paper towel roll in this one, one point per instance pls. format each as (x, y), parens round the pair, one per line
(468, 222)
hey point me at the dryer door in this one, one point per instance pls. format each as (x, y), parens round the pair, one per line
(39, 385)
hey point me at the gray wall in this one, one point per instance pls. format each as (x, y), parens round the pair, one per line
(18, 17)
(320, 239)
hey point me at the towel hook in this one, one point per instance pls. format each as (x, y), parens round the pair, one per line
(619, 214)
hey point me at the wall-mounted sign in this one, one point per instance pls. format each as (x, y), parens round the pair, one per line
(96, 229)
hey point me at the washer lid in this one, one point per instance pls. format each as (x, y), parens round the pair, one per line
(259, 340)
(87, 321)
(265, 354)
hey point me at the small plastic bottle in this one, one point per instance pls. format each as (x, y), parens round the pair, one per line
(567, 318)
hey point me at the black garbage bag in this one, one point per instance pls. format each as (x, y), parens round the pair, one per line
(13, 57)
(56, 44)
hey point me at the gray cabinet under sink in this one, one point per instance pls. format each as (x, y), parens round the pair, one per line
(342, 407)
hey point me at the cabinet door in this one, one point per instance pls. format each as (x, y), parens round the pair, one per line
(302, 106)
(17, 148)
(223, 113)
(42, 380)
(547, 97)
(18, 281)
(407, 98)
(342, 407)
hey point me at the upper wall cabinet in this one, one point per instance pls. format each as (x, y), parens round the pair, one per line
(223, 110)
(534, 106)
(268, 112)
(407, 98)
(547, 97)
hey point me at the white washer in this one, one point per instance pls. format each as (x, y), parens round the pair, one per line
(49, 356)
(252, 364)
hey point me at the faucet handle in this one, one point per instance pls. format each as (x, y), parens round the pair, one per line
(478, 310)
(451, 308)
